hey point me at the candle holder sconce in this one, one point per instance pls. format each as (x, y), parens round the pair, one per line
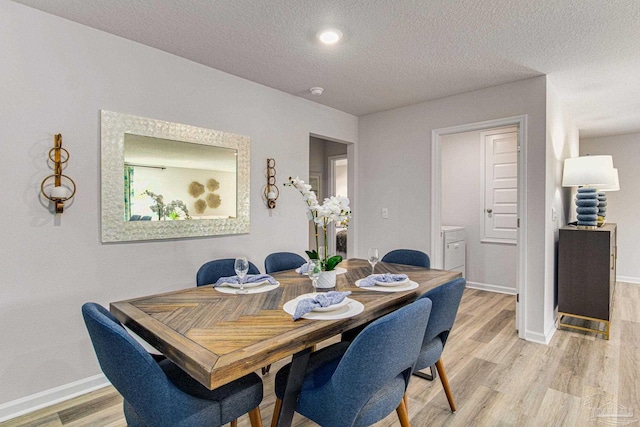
(59, 193)
(271, 191)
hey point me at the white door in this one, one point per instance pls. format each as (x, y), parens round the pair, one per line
(500, 164)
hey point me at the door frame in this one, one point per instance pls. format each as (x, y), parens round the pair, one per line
(436, 202)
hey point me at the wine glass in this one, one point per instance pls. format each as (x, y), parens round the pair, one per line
(241, 266)
(314, 272)
(373, 258)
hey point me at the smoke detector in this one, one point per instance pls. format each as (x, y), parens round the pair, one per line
(316, 90)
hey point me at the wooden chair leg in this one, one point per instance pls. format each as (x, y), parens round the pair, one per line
(403, 414)
(276, 412)
(266, 369)
(234, 423)
(255, 418)
(445, 384)
(405, 399)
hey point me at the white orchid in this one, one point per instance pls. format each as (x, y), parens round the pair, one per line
(334, 208)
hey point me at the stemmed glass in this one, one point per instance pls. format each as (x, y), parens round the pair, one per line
(373, 258)
(314, 272)
(241, 266)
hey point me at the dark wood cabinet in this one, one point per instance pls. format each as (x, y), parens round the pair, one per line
(586, 275)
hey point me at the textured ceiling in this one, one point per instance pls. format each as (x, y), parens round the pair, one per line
(399, 52)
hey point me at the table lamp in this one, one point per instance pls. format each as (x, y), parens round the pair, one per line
(588, 173)
(602, 196)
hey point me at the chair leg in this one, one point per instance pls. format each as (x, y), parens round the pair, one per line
(255, 418)
(234, 423)
(445, 384)
(405, 399)
(403, 414)
(265, 369)
(276, 412)
(427, 376)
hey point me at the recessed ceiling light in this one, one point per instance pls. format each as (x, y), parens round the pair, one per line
(330, 36)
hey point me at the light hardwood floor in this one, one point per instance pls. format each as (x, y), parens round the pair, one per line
(496, 378)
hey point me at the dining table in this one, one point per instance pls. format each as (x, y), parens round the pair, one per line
(217, 335)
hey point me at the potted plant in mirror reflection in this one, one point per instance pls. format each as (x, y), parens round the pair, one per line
(174, 210)
(333, 209)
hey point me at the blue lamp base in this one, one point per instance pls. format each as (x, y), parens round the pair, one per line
(602, 208)
(587, 208)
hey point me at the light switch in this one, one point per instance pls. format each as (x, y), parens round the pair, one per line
(554, 214)
(385, 213)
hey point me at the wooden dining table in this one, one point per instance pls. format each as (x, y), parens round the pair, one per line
(219, 337)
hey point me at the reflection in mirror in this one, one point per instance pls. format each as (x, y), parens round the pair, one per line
(166, 180)
(175, 180)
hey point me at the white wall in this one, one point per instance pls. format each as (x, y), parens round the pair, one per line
(622, 206)
(56, 77)
(562, 142)
(488, 265)
(394, 160)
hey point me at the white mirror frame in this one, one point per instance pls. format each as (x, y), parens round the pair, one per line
(116, 229)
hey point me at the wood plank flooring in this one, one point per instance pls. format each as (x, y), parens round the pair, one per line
(579, 379)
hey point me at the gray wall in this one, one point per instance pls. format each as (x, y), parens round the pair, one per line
(394, 160)
(622, 206)
(57, 76)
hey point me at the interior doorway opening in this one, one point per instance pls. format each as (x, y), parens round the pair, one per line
(329, 176)
(438, 135)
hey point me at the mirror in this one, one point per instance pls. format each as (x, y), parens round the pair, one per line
(163, 180)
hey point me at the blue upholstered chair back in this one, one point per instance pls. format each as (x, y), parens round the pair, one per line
(390, 347)
(408, 257)
(211, 271)
(150, 397)
(280, 261)
(446, 300)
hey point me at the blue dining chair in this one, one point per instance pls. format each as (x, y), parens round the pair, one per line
(337, 391)
(211, 271)
(161, 394)
(280, 261)
(407, 257)
(446, 300)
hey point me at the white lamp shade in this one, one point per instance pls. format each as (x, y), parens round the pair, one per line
(588, 170)
(616, 183)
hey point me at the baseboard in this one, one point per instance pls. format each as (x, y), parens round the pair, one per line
(491, 288)
(627, 279)
(50, 397)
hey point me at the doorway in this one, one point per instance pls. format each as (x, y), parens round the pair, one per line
(329, 175)
(439, 198)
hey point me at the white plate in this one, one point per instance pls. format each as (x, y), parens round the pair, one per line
(255, 290)
(353, 308)
(246, 285)
(406, 286)
(396, 283)
(332, 307)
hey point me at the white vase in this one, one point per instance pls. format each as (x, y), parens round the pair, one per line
(326, 280)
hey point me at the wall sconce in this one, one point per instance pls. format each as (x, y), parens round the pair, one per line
(271, 191)
(58, 194)
(587, 173)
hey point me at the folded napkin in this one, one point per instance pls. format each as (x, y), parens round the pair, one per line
(384, 278)
(326, 299)
(249, 278)
(303, 269)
